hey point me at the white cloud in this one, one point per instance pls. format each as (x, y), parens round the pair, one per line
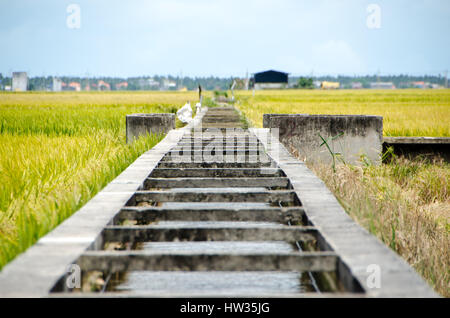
(223, 37)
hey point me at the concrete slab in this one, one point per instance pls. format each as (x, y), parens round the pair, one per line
(349, 135)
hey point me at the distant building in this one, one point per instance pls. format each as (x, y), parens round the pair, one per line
(382, 85)
(330, 85)
(317, 84)
(121, 85)
(422, 84)
(148, 83)
(141, 83)
(357, 85)
(419, 84)
(19, 81)
(404, 85)
(103, 86)
(270, 80)
(153, 83)
(74, 86)
(57, 84)
(436, 86)
(169, 85)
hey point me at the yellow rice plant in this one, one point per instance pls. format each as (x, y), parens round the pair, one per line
(410, 112)
(57, 150)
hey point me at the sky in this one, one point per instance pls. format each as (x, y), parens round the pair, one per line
(224, 37)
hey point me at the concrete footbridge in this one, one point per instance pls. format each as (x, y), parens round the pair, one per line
(213, 210)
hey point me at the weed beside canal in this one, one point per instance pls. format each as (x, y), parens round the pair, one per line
(406, 204)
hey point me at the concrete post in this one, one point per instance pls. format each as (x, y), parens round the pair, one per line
(141, 124)
(361, 135)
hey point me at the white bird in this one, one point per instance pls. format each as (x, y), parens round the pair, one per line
(198, 107)
(185, 113)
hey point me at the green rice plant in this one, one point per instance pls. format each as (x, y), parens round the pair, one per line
(220, 93)
(209, 102)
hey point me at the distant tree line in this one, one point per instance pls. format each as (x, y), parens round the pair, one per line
(400, 81)
(41, 83)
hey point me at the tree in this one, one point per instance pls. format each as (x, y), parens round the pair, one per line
(304, 82)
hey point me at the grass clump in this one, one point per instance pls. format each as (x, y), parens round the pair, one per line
(406, 204)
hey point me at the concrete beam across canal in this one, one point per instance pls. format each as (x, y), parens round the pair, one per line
(352, 136)
(142, 124)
